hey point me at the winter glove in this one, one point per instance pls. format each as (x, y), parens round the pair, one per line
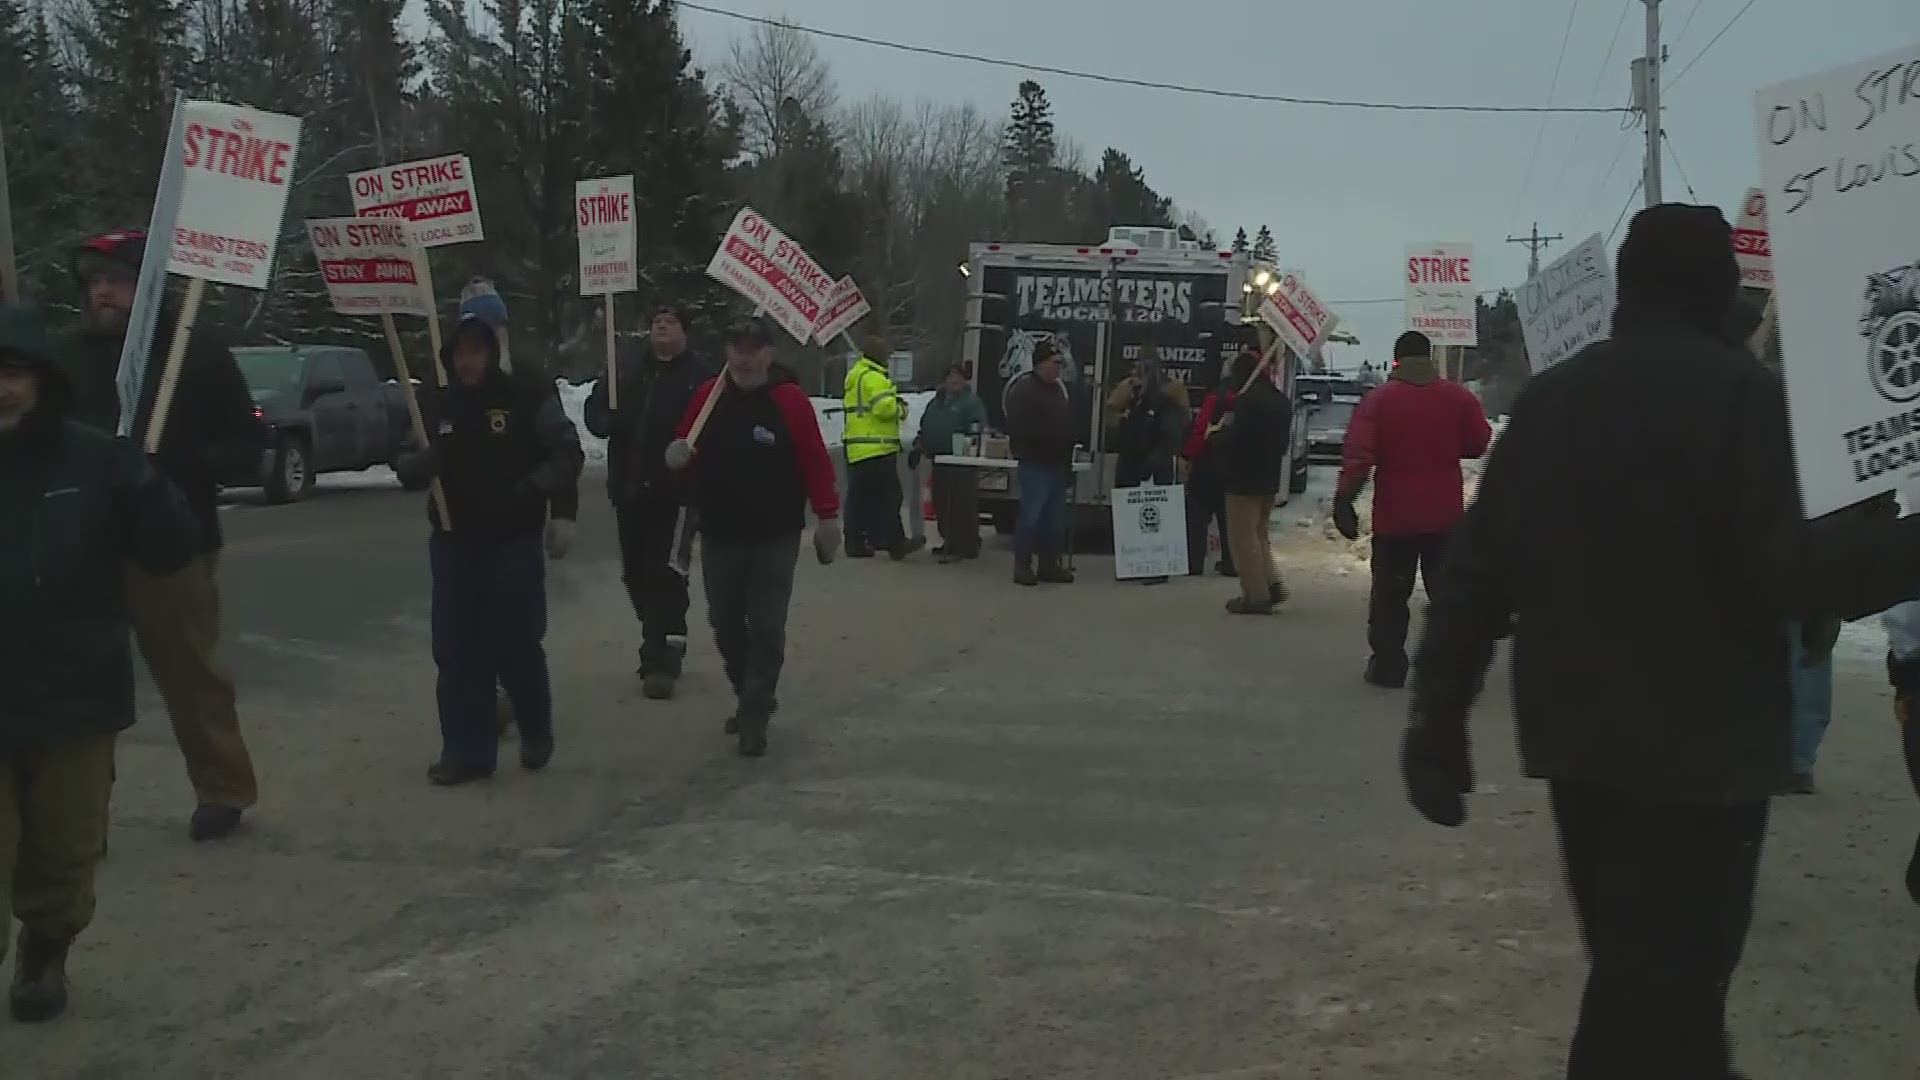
(560, 533)
(1345, 517)
(826, 539)
(679, 454)
(1437, 772)
(417, 465)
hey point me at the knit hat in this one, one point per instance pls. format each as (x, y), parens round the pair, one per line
(753, 333)
(482, 301)
(1677, 261)
(117, 253)
(678, 311)
(1412, 343)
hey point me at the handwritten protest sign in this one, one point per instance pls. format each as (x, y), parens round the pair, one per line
(236, 166)
(1440, 295)
(368, 265)
(1752, 246)
(1840, 161)
(1296, 314)
(436, 194)
(1568, 305)
(846, 305)
(764, 265)
(603, 213)
(1150, 531)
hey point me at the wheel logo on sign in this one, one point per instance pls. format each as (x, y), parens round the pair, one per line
(1891, 325)
(1149, 519)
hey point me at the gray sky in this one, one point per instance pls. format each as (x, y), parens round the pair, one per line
(1346, 190)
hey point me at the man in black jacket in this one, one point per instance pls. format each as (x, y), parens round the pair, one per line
(1639, 533)
(505, 455)
(76, 506)
(211, 433)
(656, 526)
(1252, 447)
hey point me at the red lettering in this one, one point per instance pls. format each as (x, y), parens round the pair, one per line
(230, 153)
(192, 141)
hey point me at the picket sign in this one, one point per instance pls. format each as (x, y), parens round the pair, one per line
(846, 305)
(1752, 244)
(437, 196)
(233, 167)
(603, 213)
(1149, 531)
(1440, 296)
(1568, 305)
(1296, 314)
(767, 267)
(151, 286)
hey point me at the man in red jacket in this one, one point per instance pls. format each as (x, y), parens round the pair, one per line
(1410, 436)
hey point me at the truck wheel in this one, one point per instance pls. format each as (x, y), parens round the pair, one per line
(1003, 521)
(1301, 477)
(289, 471)
(419, 483)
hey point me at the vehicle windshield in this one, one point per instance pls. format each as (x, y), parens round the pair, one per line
(1334, 415)
(269, 370)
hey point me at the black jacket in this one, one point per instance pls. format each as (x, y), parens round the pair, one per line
(76, 505)
(1252, 447)
(1040, 423)
(1638, 529)
(504, 451)
(653, 399)
(211, 428)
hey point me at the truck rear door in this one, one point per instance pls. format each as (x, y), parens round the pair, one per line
(336, 419)
(367, 403)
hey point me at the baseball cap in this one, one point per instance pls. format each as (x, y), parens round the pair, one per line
(116, 253)
(755, 332)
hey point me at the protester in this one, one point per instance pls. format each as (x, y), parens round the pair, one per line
(1252, 444)
(655, 526)
(1903, 671)
(874, 411)
(212, 433)
(1409, 437)
(1147, 419)
(760, 460)
(505, 455)
(1040, 427)
(76, 507)
(1206, 498)
(954, 410)
(481, 299)
(1650, 677)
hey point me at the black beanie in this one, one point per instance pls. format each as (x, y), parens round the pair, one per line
(1677, 262)
(1413, 343)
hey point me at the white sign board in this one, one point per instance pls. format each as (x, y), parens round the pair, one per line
(846, 305)
(764, 265)
(236, 166)
(151, 288)
(1751, 244)
(1568, 305)
(1440, 293)
(368, 265)
(1297, 315)
(1149, 531)
(1840, 161)
(436, 194)
(900, 367)
(603, 212)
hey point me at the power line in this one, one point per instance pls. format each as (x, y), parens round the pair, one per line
(1593, 93)
(1611, 233)
(1688, 24)
(1553, 85)
(1147, 84)
(1716, 40)
(1668, 139)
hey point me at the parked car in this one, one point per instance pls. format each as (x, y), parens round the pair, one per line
(1330, 401)
(326, 410)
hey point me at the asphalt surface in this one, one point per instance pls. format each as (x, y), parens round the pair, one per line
(1093, 831)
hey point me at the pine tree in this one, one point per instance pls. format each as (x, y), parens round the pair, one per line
(1240, 240)
(36, 114)
(1264, 249)
(1037, 199)
(1124, 196)
(130, 56)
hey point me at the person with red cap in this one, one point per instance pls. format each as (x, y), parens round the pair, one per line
(212, 434)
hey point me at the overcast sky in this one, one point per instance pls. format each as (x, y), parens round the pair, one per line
(1346, 190)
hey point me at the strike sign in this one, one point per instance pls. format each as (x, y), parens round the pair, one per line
(1297, 315)
(435, 194)
(767, 267)
(846, 305)
(235, 165)
(1440, 296)
(603, 213)
(1752, 245)
(368, 265)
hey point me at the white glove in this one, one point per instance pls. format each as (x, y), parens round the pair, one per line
(679, 454)
(826, 539)
(559, 538)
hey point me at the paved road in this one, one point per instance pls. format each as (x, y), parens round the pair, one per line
(1096, 832)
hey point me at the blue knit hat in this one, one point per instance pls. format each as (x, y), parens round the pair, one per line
(482, 301)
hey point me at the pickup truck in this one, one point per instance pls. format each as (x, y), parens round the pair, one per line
(326, 410)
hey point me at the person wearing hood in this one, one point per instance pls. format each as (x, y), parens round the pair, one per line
(874, 413)
(77, 506)
(955, 410)
(508, 461)
(655, 525)
(212, 433)
(1252, 443)
(755, 464)
(1639, 534)
(1409, 437)
(1147, 418)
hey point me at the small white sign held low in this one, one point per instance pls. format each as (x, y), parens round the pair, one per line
(1149, 531)
(1752, 245)
(1440, 296)
(436, 194)
(603, 212)
(767, 267)
(1840, 160)
(846, 305)
(1568, 305)
(368, 265)
(1296, 314)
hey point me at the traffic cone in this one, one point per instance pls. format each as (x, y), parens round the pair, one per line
(926, 499)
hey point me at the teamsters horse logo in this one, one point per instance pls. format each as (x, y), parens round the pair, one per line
(1017, 362)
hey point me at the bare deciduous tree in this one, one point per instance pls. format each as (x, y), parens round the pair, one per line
(767, 68)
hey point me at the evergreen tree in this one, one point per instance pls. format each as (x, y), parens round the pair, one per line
(1264, 249)
(130, 55)
(1124, 196)
(372, 69)
(1041, 201)
(36, 116)
(1240, 243)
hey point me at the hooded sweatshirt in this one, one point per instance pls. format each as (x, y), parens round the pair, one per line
(1410, 436)
(760, 460)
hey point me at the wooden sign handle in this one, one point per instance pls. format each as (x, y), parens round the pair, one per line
(613, 371)
(433, 317)
(419, 422)
(176, 356)
(706, 407)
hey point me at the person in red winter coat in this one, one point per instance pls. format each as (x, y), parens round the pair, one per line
(1409, 436)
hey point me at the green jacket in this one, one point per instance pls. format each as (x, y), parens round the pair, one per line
(947, 416)
(76, 505)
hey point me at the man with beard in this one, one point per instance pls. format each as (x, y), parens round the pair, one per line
(1650, 678)
(655, 525)
(211, 433)
(77, 506)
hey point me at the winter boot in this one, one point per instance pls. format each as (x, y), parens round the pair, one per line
(658, 679)
(211, 822)
(1387, 672)
(1240, 605)
(535, 752)
(1053, 573)
(1277, 593)
(39, 990)
(753, 735)
(1023, 571)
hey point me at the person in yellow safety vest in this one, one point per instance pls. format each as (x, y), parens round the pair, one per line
(874, 411)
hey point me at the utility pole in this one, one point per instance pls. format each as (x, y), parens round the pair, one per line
(9, 274)
(1535, 243)
(1651, 104)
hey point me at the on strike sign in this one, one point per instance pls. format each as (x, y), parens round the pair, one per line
(1440, 293)
(368, 265)
(235, 167)
(1297, 315)
(436, 194)
(1752, 246)
(603, 213)
(846, 305)
(764, 265)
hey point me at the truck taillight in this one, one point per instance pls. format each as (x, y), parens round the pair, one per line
(259, 413)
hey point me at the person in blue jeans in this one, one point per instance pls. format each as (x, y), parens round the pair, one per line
(1040, 426)
(506, 457)
(1810, 649)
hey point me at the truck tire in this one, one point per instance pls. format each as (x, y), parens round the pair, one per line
(1302, 476)
(1003, 520)
(289, 469)
(419, 483)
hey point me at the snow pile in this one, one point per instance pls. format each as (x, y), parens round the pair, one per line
(574, 400)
